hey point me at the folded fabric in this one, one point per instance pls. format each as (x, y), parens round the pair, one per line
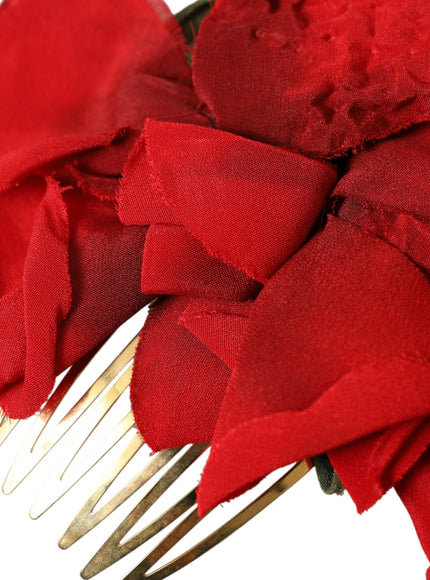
(223, 213)
(70, 271)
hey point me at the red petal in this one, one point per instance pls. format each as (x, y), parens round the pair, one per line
(320, 76)
(393, 174)
(371, 466)
(385, 191)
(14, 165)
(346, 353)
(45, 305)
(219, 325)
(18, 208)
(257, 204)
(49, 100)
(104, 264)
(176, 263)
(414, 492)
(140, 200)
(178, 384)
(402, 230)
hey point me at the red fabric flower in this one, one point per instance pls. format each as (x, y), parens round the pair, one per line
(294, 293)
(335, 354)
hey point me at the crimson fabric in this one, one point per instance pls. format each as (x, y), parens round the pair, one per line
(335, 355)
(354, 359)
(393, 173)
(188, 269)
(385, 192)
(181, 368)
(180, 383)
(265, 214)
(296, 292)
(321, 76)
(262, 199)
(76, 243)
(218, 325)
(70, 271)
(414, 490)
(47, 95)
(374, 464)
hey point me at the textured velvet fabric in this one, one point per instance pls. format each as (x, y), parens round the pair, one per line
(274, 197)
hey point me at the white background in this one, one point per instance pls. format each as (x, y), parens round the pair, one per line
(304, 535)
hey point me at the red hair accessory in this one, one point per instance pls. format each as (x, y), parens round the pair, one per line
(274, 196)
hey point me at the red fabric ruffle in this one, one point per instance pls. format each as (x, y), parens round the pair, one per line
(70, 271)
(334, 376)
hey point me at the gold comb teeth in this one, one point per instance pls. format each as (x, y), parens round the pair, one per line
(92, 432)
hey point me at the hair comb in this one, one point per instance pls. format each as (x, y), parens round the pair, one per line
(72, 437)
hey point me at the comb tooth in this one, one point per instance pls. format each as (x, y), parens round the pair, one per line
(85, 402)
(87, 518)
(56, 397)
(180, 531)
(22, 464)
(278, 488)
(55, 488)
(102, 407)
(53, 491)
(36, 444)
(113, 550)
(103, 559)
(76, 468)
(75, 462)
(6, 426)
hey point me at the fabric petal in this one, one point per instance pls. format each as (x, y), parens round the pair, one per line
(220, 325)
(45, 305)
(343, 356)
(47, 93)
(178, 384)
(51, 106)
(385, 191)
(256, 204)
(402, 230)
(16, 165)
(104, 262)
(371, 466)
(393, 174)
(175, 263)
(18, 208)
(360, 402)
(320, 77)
(140, 200)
